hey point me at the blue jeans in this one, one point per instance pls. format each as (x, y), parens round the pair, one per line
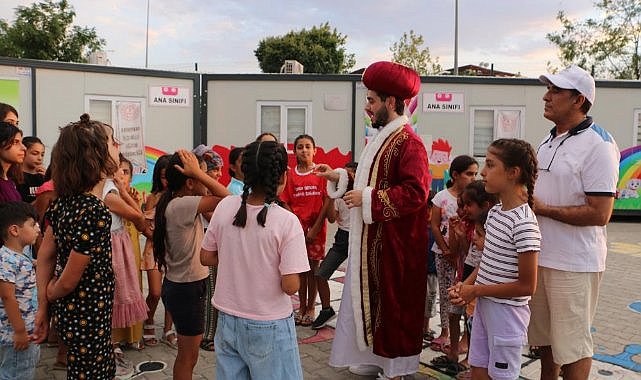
(19, 365)
(249, 349)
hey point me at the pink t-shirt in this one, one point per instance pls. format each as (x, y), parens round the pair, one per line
(251, 260)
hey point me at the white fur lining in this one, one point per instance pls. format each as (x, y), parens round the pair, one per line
(361, 181)
(334, 190)
(367, 205)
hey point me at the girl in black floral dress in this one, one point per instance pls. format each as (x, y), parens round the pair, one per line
(78, 284)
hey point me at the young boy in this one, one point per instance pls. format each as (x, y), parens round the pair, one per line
(337, 212)
(19, 301)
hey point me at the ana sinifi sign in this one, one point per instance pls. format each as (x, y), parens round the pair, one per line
(169, 96)
(443, 102)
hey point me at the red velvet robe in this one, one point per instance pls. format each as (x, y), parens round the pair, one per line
(394, 248)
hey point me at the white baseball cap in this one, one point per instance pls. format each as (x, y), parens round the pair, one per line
(572, 78)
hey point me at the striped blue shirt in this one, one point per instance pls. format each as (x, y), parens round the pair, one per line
(507, 233)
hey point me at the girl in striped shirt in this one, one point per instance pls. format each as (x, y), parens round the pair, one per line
(506, 277)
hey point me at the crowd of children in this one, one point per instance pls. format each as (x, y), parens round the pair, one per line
(203, 240)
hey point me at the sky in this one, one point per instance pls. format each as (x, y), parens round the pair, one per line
(221, 35)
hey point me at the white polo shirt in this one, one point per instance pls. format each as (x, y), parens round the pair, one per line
(583, 161)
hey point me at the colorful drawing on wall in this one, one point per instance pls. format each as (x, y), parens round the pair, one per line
(142, 179)
(370, 131)
(629, 185)
(411, 105)
(224, 153)
(440, 163)
(333, 158)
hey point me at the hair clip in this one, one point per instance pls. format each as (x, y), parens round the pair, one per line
(267, 205)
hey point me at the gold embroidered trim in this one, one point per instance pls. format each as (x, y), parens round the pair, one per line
(389, 211)
(366, 260)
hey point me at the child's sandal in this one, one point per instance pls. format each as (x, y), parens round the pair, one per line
(307, 321)
(171, 339)
(438, 343)
(149, 339)
(298, 318)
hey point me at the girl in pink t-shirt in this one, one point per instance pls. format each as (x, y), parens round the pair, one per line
(306, 195)
(259, 249)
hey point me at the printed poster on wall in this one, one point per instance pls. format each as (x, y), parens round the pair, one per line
(443, 102)
(168, 96)
(130, 134)
(509, 124)
(10, 92)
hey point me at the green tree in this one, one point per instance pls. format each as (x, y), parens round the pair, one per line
(410, 52)
(607, 45)
(320, 50)
(44, 31)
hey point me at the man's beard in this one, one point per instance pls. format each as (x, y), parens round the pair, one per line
(380, 118)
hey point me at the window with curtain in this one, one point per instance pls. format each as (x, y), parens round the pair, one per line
(491, 123)
(270, 120)
(286, 120)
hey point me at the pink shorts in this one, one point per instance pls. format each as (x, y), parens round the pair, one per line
(499, 332)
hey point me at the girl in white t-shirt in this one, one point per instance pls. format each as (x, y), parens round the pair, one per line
(463, 170)
(178, 233)
(259, 249)
(506, 276)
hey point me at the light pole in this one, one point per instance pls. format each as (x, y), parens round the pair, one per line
(455, 37)
(147, 38)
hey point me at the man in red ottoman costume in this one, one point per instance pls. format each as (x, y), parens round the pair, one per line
(381, 314)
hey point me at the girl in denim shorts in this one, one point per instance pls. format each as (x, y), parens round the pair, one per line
(259, 249)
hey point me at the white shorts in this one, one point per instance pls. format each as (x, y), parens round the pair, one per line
(563, 308)
(499, 332)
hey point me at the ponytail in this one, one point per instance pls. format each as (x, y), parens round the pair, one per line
(175, 181)
(160, 229)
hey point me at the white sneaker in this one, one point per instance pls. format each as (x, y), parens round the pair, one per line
(365, 370)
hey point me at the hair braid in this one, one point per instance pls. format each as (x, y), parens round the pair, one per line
(532, 173)
(263, 165)
(240, 219)
(270, 186)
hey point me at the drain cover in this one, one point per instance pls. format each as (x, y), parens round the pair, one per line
(150, 366)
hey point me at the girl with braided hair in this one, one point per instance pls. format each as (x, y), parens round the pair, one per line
(506, 277)
(251, 237)
(177, 236)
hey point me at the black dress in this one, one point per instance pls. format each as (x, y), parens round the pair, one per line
(83, 318)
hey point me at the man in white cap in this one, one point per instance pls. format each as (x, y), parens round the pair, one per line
(380, 322)
(574, 196)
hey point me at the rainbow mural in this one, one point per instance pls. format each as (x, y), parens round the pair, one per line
(142, 181)
(629, 185)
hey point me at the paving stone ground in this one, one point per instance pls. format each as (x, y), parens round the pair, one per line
(617, 331)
